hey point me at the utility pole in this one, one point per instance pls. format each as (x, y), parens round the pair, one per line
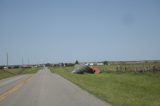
(0, 59)
(7, 59)
(22, 61)
(28, 61)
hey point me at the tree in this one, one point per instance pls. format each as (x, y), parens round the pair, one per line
(47, 64)
(105, 62)
(76, 62)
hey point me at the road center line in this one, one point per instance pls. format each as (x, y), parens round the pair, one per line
(14, 88)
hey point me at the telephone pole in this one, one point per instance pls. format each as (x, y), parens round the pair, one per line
(7, 58)
(28, 61)
(0, 59)
(22, 61)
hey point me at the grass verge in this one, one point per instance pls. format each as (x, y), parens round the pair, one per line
(119, 89)
(12, 72)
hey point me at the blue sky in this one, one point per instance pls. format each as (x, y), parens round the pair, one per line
(41, 31)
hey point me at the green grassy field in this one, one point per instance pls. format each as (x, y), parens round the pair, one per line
(119, 89)
(139, 67)
(12, 72)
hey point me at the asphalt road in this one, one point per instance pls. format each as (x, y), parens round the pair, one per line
(44, 89)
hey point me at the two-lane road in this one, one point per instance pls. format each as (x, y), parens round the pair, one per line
(44, 89)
